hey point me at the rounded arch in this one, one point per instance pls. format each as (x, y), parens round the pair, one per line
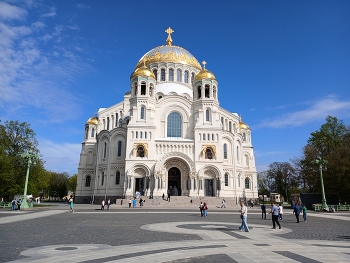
(211, 168)
(139, 170)
(175, 155)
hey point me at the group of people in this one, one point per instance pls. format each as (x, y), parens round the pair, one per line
(203, 208)
(16, 204)
(134, 202)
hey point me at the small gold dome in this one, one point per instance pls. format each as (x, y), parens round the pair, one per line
(143, 72)
(92, 120)
(243, 125)
(204, 74)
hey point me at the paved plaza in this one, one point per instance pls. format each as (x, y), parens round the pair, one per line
(89, 235)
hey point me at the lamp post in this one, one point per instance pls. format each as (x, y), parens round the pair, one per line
(322, 164)
(30, 157)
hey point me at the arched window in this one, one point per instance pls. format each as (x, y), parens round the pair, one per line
(151, 90)
(192, 77)
(222, 122)
(107, 123)
(226, 179)
(225, 151)
(117, 177)
(92, 132)
(230, 126)
(246, 183)
(102, 178)
(206, 91)
(244, 137)
(140, 152)
(162, 74)
(186, 76)
(137, 135)
(145, 135)
(119, 153)
(155, 72)
(171, 74)
(142, 113)
(212, 137)
(87, 181)
(199, 91)
(116, 120)
(207, 115)
(143, 88)
(203, 136)
(105, 150)
(179, 75)
(237, 153)
(140, 135)
(174, 125)
(208, 154)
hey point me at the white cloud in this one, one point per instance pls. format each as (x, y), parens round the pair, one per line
(83, 6)
(10, 12)
(51, 13)
(62, 157)
(317, 110)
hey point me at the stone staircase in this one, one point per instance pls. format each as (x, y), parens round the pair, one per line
(181, 202)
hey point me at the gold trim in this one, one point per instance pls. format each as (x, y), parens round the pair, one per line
(145, 148)
(169, 40)
(212, 147)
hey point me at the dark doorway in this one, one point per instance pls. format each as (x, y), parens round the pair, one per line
(208, 187)
(174, 181)
(139, 185)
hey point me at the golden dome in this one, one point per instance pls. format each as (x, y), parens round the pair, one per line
(92, 120)
(243, 125)
(204, 74)
(143, 72)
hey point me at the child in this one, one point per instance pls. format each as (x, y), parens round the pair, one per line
(304, 213)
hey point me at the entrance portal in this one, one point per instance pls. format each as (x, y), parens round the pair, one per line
(174, 181)
(139, 185)
(208, 187)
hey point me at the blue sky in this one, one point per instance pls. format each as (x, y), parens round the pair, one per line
(283, 65)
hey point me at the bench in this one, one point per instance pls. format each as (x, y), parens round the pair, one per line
(318, 207)
(6, 205)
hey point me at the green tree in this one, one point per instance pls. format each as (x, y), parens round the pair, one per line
(58, 185)
(265, 183)
(72, 183)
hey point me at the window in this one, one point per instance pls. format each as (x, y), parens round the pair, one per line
(207, 115)
(212, 137)
(107, 123)
(140, 152)
(226, 179)
(222, 122)
(117, 177)
(244, 137)
(246, 183)
(206, 91)
(199, 91)
(237, 153)
(143, 88)
(171, 75)
(186, 76)
(140, 135)
(203, 136)
(145, 135)
(137, 135)
(151, 90)
(162, 74)
(179, 75)
(174, 125)
(92, 132)
(86, 133)
(208, 154)
(230, 126)
(155, 72)
(192, 77)
(116, 120)
(142, 114)
(102, 178)
(105, 150)
(119, 153)
(225, 151)
(88, 181)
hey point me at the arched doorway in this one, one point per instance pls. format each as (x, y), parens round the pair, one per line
(174, 181)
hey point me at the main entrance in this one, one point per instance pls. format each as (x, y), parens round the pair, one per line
(139, 185)
(174, 181)
(208, 187)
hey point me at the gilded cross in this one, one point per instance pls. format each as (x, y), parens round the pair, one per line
(169, 40)
(204, 63)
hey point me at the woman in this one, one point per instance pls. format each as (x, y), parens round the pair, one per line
(244, 213)
(205, 208)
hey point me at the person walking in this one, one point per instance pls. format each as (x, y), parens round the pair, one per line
(129, 202)
(304, 213)
(19, 202)
(297, 209)
(168, 193)
(13, 204)
(103, 204)
(244, 214)
(141, 202)
(201, 208)
(280, 211)
(71, 205)
(134, 203)
(263, 211)
(223, 204)
(205, 209)
(108, 203)
(274, 212)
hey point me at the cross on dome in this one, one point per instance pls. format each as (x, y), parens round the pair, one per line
(204, 63)
(169, 40)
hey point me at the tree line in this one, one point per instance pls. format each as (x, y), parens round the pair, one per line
(17, 138)
(302, 175)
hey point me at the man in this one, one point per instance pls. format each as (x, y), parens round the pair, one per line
(274, 212)
(201, 208)
(263, 211)
(244, 214)
(297, 209)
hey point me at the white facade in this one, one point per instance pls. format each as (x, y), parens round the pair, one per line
(168, 134)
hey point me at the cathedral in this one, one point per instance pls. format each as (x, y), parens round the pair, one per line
(167, 136)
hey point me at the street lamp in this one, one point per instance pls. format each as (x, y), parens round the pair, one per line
(322, 164)
(30, 157)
